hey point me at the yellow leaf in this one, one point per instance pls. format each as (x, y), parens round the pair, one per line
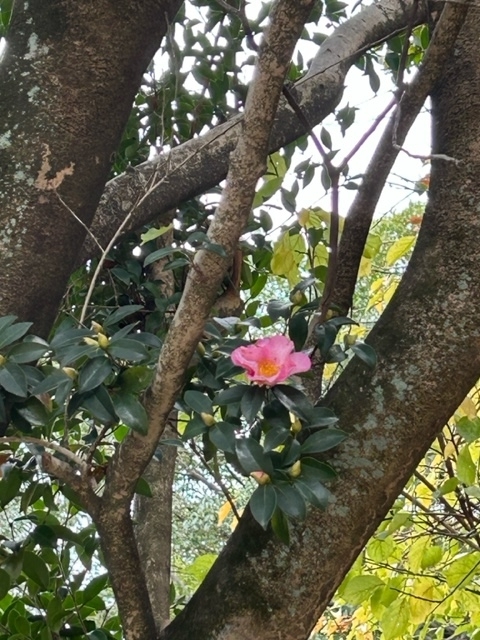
(365, 268)
(425, 597)
(399, 248)
(288, 253)
(469, 408)
(223, 512)
(321, 255)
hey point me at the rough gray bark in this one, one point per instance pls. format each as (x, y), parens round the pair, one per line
(428, 331)
(153, 515)
(153, 531)
(69, 75)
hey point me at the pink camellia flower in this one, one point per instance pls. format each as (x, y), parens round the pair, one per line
(270, 361)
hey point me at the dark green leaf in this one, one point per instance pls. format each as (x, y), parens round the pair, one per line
(199, 402)
(321, 417)
(323, 441)
(35, 568)
(121, 313)
(325, 334)
(251, 402)
(13, 380)
(13, 333)
(27, 351)
(127, 349)
(365, 352)
(291, 454)
(99, 404)
(142, 488)
(251, 456)
(195, 427)
(34, 412)
(6, 321)
(131, 412)
(290, 501)
(262, 504)
(335, 354)
(222, 435)
(94, 587)
(277, 309)
(275, 437)
(280, 526)
(93, 373)
(4, 583)
(313, 492)
(10, 485)
(44, 535)
(294, 400)
(97, 634)
(340, 321)
(215, 248)
(232, 395)
(313, 468)
(298, 330)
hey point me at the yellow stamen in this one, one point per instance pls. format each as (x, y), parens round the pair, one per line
(268, 368)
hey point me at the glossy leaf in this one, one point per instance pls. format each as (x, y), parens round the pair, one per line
(93, 373)
(127, 349)
(323, 440)
(13, 333)
(197, 401)
(251, 456)
(251, 402)
(262, 504)
(131, 412)
(35, 568)
(13, 379)
(294, 400)
(290, 501)
(222, 435)
(365, 352)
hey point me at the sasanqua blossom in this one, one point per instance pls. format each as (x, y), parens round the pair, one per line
(270, 361)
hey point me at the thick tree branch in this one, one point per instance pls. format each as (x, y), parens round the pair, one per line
(202, 163)
(247, 164)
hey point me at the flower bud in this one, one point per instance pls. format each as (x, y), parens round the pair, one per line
(70, 372)
(349, 340)
(2, 360)
(295, 470)
(261, 477)
(97, 327)
(103, 341)
(297, 298)
(201, 349)
(208, 419)
(92, 342)
(296, 426)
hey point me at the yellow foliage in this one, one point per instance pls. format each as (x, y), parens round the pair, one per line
(426, 595)
(288, 253)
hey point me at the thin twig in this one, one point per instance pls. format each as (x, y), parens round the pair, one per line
(43, 443)
(81, 222)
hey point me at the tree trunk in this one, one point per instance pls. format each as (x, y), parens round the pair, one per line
(428, 333)
(69, 75)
